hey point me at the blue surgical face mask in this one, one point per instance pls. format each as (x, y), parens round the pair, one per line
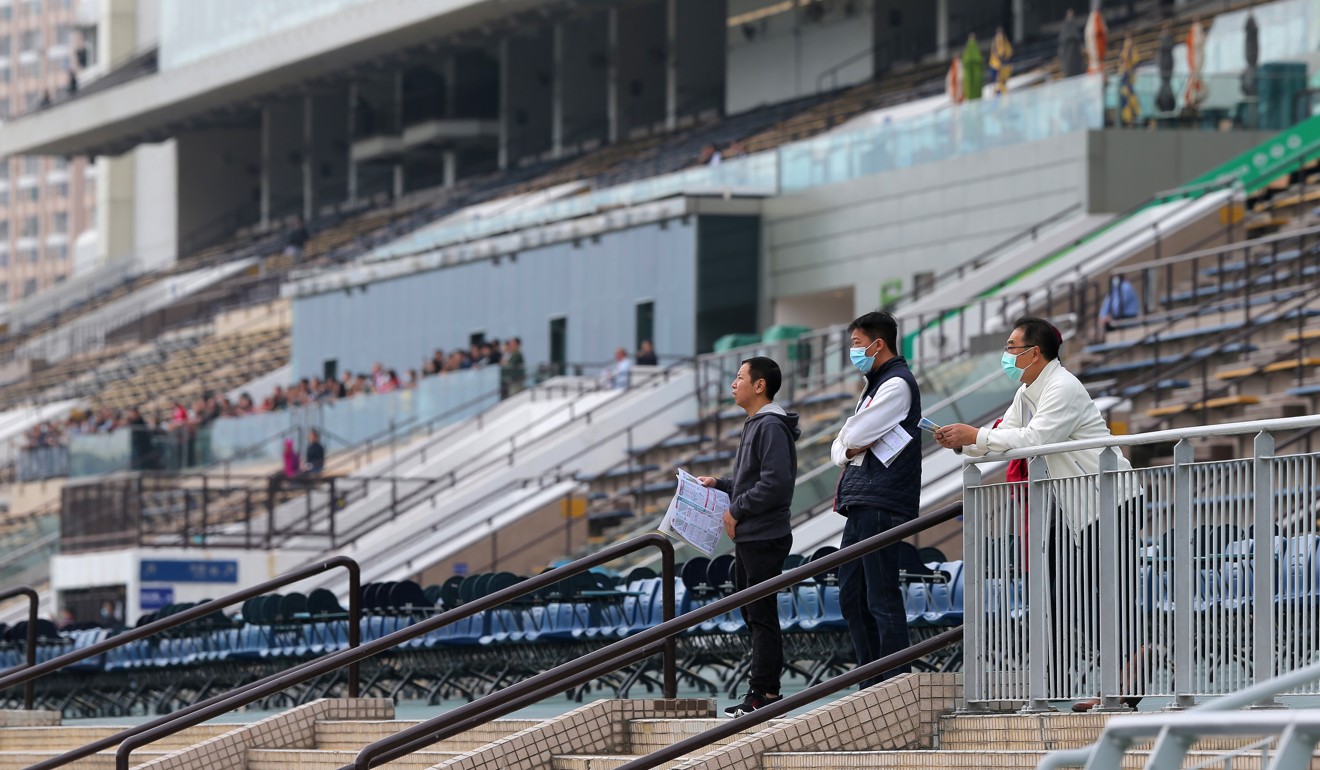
(1008, 362)
(863, 362)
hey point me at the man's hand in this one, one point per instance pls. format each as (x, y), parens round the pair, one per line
(730, 523)
(956, 436)
(851, 453)
(708, 481)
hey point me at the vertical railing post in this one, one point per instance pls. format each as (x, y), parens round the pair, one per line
(1181, 571)
(974, 591)
(1038, 590)
(1262, 561)
(1112, 578)
(669, 573)
(354, 625)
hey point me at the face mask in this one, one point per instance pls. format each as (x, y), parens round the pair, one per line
(860, 360)
(1008, 362)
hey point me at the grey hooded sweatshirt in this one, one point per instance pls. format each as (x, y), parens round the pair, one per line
(764, 473)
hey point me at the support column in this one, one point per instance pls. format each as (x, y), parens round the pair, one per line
(265, 166)
(612, 77)
(308, 170)
(352, 132)
(942, 28)
(506, 120)
(671, 64)
(557, 91)
(1019, 31)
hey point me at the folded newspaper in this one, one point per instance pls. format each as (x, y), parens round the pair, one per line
(696, 514)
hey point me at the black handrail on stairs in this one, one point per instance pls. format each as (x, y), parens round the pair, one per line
(193, 613)
(586, 668)
(141, 735)
(31, 652)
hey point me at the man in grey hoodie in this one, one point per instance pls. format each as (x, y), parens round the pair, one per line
(760, 505)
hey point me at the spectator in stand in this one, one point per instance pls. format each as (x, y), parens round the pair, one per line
(513, 371)
(378, 377)
(494, 353)
(361, 386)
(245, 405)
(179, 416)
(411, 382)
(646, 355)
(291, 464)
(390, 383)
(438, 361)
(1120, 301)
(278, 399)
(345, 384)
(141, 448)
(619, 376)
(298, 238)
(710, 156)
(1071, 42)
(314, 454)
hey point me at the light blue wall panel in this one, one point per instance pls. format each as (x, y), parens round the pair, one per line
(596, 286)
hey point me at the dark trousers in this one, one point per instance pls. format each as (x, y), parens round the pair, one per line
(870, 595)
(756, 562)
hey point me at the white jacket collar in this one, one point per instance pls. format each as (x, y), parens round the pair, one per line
(1036, 388)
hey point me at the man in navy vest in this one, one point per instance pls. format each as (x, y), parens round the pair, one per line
(880, 488)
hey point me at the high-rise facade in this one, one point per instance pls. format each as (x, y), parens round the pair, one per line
(45, 202)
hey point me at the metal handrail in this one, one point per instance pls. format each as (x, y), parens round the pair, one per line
(581, 670)
(1156, 437)
(451, 475)
(31, 652)
(1247, 696)
(32, 672)
(141, 735)
(693, 744)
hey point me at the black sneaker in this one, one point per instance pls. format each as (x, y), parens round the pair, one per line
(752, 702)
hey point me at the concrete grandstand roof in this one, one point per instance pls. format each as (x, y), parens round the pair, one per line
(210, 91)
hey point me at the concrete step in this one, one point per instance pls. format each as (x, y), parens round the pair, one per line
(589, 762)
(353, 735)
(1042, 732)
(17, 760)
(60, 739)
(318, 759)
(964, 760)
(647, 735)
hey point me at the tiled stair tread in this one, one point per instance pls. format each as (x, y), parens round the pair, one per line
(955, 760)
(598, 762)
(647, 735)
(15, 760)
(353, 735)
(318, 759)
(68, 737)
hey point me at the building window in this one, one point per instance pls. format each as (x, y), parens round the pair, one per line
(31, 165)
(60, 252)
(34, 256)
(4, 259)
(31, 227)
(29, 287)
(31, 40)
(5, 44)
(31, 7)
(4, 231)
(59, 163)
(62, 34)
(60, 222)
(4, 285)
(4, 197)
(60, 189)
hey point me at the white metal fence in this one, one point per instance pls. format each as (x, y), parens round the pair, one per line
(1143, 582)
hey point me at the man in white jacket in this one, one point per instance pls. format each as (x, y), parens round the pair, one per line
(1051, 407)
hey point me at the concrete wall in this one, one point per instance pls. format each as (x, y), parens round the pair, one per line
(216, 182)
(1126, 167)
(782, 55)
(931, 217)
(594, 285)
(327, 128)
(527, 87)
(904, 31)
(155, 204)
(282, 158)
(641, 58)
(582, 56)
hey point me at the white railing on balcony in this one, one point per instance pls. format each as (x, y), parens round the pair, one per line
(1185, 580)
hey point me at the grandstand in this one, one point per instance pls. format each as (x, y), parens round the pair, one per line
(473, 578)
